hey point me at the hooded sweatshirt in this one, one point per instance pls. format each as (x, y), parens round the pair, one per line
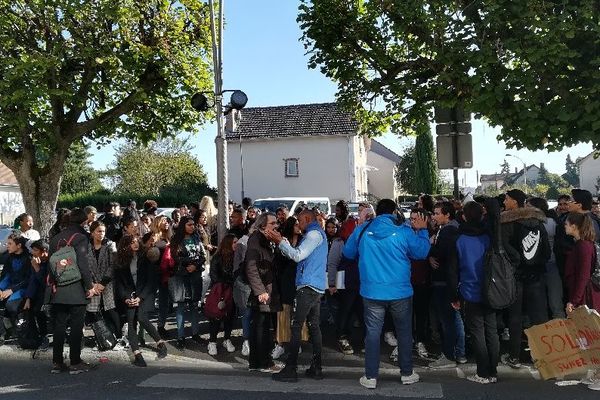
(384, 254)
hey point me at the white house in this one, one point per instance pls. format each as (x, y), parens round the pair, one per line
(383, 162)
(497, 181)
(11, 201)
(589, 172)
(301, 150)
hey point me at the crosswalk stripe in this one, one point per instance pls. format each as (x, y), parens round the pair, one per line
(387, 387)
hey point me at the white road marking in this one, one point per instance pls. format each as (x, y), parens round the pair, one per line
(16, 389)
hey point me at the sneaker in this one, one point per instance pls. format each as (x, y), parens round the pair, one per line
(594, 386)
(422, 350)
(410, 379)
(273, 369)
(45, 344)
(228, 346)
(287, 374)
(394, 354)
(345, 347)
(59, 368)
(505, 335)
(510, 361)
(246, 348)
(212, 348)
(390, 339)
(139, 361)
(369, 383)
(441, 363)
(478, 379)
(79, 368)
(162, 350)
(277, 352)
(493, 379)
(461, 360)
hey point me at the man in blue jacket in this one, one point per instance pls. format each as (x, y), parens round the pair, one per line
(384, 248)
(311, 282)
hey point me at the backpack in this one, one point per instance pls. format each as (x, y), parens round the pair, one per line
(595, 277)
(499, 288)
(28, 335)
(219, 301)
(105, 338)
(63, 264)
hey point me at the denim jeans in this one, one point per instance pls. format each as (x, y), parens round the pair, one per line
(401, 312)
(350, 303)
(554, 286)
(246, 318)
(180, 316)
(481, 323)
(307, 308)
(453, 330)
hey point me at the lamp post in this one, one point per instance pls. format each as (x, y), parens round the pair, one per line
(200, 103)
(524, 169)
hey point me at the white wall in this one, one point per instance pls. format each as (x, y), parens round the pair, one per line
(11, 204)
(381, 182)
(324, 167)
(589, 171)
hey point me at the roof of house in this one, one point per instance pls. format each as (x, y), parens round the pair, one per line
(383, 151)
(7, 178)
(495, 177)
(324, 119)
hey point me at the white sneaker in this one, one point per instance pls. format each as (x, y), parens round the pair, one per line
(277, 352)
(505, 335)
(421, 350)
(228, 346)
(369, 383)
(246, 348)
(394, 355)
(594, 386)
(409, 380)
(212, 349)
(478, 379)
(390, 339)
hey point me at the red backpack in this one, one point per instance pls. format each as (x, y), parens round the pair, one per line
(219, 301)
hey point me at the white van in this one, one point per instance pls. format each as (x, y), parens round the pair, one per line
(292, 203)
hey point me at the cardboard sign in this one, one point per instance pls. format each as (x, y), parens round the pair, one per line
(566, 346)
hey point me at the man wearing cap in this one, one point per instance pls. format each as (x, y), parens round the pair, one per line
(526, 242)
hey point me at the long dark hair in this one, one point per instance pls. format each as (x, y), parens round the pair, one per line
(288, 227)
(124, 252)
(225, 250)
(179, 234)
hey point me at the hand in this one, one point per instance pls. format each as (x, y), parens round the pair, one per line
(90, 293)
(134, 302)
(332, 290)
(273, 236)
(35, 263)
(190, 268)
(263, 298)
(434, 262)
(419, 222)
(27, 304)
(6, 294)
(455, 305)
(99, 288)
(569, 308)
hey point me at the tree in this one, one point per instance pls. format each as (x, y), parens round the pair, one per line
(426, 170)
(405, 171)
(164, 166)
(79, 176)
(505, 167)
(529, 67)
(572, 173)
(96, 70)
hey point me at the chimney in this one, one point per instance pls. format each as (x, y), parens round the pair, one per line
(516, 170)
(541, 165)
(232, 120)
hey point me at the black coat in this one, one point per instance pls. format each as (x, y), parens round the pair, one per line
(145, 285)
(220, 272)
(75, 293)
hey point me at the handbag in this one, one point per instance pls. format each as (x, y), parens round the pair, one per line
(104, 336)
(283, 334)
(219, 301)
(28, 335)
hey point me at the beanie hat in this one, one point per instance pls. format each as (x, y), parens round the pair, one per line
(518, 196)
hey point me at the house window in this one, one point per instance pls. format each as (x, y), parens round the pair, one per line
(291, 167)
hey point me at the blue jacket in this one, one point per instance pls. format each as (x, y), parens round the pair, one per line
(312, 271)
(471, 246)
(385, 252)
(15, 275)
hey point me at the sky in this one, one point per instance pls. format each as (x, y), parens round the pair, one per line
(264, 57)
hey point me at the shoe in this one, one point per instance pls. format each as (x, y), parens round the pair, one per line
(59, 368)
(421, 350)
(410, 379)
(277, 352)
(273, 369)
(493, 379)
(315, 371)
(594, 386)
(45, 344)
(139, 361)
(345, 347)
(79, 368)
(441, 363)
(505, 335)
(198, 339)
(369, 383)
(162, 332)
(510, 361)
(162, 350)
(394, 355)
(461, 360)
(287, 374)
(478, 379)
(390, 339)
(180, 344)
(228, 346)
(246, 348)
(212, 349)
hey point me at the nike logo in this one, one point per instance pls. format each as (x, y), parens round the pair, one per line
(530, 244)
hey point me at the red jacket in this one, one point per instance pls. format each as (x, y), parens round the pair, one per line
(578, 271)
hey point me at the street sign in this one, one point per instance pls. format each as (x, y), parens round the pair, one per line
(453, 128)
(445, 149)
(445, 115)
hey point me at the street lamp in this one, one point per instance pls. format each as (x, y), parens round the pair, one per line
(237, 102)
(524, 169)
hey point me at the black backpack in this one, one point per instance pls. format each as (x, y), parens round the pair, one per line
(28, 335)
(499, 284)
(532, 242)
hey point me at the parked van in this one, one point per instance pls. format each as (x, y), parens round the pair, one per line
(292, 203)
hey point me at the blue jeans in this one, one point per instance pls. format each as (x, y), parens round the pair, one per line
(401, 312)
(453, 329)
(179, 315)
(246, 317)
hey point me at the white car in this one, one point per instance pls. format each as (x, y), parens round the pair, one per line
(292, 203)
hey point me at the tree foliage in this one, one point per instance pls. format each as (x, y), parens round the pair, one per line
(417, 170)
(79, 176)
(530, 67)
(572, 172)
(94, 69)
(505, 167)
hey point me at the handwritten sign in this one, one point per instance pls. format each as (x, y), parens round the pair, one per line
(566, 346)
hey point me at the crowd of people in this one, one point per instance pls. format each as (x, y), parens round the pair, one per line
(411, 281)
